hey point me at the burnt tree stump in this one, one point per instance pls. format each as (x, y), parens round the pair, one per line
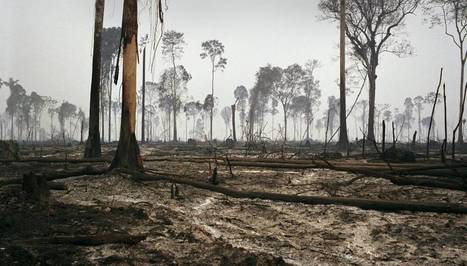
(36, 187)
(9, 150)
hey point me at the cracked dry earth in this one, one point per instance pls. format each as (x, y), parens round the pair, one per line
(205, 228)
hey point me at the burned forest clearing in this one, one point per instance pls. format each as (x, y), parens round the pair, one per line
(101, 217)
(249, 133)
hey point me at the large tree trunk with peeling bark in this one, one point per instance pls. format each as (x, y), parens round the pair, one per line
(127, 155)
(93, 144)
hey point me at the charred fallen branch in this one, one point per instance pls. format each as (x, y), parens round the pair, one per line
(19, 181)
(92, 240)
(56, 160)
(439, 176)
(54, 175)
(367, 204)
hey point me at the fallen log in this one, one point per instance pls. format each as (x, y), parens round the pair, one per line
(444, 171)
(54, 175)
(406, 169)
(56, 160)
(366, 204)
(92, 240)
(50, 176)
(447, 183)
(19, 181)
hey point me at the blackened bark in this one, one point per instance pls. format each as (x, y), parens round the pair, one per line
(143, 137)
(234, 131)
(343, 138)
(93, 144)
(460, 138)
(371, 106)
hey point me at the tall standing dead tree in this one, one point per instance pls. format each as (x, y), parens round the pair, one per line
(173, 47)
(128, 155)
(453, 13)
(343, 137)
(214, 50)
(93, 144)
(371, 27)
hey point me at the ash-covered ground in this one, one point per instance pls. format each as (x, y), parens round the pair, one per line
(200, 227)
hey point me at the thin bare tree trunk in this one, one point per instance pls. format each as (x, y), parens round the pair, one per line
(143, 137)
(212, 105)
(285, 124)
(93, 144)
(432, 114)
(174, 91)
(460, 138)
(343, 137)
(110, 105)
(371, 106)
(127, 155)
(234, 131)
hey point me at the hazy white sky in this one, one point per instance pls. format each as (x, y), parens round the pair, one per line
(47, 45)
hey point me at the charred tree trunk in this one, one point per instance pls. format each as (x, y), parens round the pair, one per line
(174, 92)
(93, 144)
(110, 106)
(285, 124)
(343, 137)
(234, 131)
(143, 137)
(82, 131)
(102, 110)
(445, 142)
(212, 104)
(414, 140)
(432, 115)
(127, 155)
(371, 102)
(384, 140)
(460, 138)
(11, 132)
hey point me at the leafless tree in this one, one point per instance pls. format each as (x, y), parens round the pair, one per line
(452, 15)
(93, 144)
(370, 28)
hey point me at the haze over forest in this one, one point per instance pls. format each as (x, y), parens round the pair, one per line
(233, 132)
(47, 46)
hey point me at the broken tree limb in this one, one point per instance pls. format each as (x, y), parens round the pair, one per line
(367, 204)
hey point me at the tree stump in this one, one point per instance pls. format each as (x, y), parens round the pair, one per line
(9, 150)
(229, 143)
(36, 187)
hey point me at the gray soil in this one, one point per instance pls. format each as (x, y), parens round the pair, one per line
(200, 227)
